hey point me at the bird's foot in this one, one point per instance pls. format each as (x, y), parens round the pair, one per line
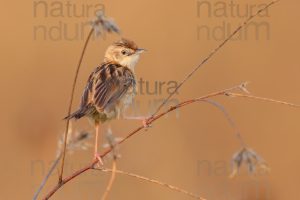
(97, 157)
(145, 123)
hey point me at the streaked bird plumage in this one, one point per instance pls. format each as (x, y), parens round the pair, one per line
(110, 87)
(108, 90)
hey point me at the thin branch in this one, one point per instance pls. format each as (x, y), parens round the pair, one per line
(224, 92)
(155, 115)
(150, 121)
(230, 121)
(76, 141)
(100, 25)
(213, 53)
(262, 99)
(71, 103)
(53, 167)
(142, 178)
(111, 180)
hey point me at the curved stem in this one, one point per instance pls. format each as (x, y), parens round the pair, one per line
(224, 92)
(154, 116)
(150, 121)
(230, 121)
(212, 53)
(55, 163)
(71, 103)
(111, 180)
(171, 187)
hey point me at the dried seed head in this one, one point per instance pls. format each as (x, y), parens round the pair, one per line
(112, 142)
(76, 140)
(243, 87)
(248, 157)
(104, 24)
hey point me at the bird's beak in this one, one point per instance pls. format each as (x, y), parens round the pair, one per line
(140, 50)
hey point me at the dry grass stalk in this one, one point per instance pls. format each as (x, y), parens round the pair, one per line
(157, 182)
(223, 92)
(99, 25)
(111, 180)
(156, 114)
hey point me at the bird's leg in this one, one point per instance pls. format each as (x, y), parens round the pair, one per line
(96, 154)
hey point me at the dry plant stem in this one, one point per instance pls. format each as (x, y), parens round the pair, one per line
(71, 103)
(53, 167)
(213, 53)
(150, 121)
(225, 92)
(142, 178)
(230, 121)
(154, 116)
(262, 99)
(111, 180)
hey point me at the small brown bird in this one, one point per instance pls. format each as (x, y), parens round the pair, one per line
(110, 87)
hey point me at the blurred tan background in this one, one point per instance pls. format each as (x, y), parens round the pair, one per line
(37, 72)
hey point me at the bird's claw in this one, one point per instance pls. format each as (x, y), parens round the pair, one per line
(146, 123)
(99, 159)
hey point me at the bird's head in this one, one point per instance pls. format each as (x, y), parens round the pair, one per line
(124, 52)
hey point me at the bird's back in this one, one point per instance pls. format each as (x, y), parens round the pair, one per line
(109, 88)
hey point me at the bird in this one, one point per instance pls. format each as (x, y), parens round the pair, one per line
(111, 86)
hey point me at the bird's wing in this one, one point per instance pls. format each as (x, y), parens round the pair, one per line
(110, 83)
(87, 98)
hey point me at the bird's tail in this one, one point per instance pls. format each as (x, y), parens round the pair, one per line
(77, 114)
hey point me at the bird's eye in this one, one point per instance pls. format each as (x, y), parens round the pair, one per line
(124, 52)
